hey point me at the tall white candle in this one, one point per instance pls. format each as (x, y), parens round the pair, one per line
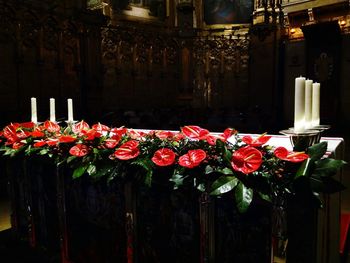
(299, 104)
(316, 104)
(34, 117)
(70, 110)
(52, 110)
(308, 103)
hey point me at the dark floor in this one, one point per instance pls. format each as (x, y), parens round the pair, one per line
(14, 251)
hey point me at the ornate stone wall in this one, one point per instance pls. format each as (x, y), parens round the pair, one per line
(46, 53)
(62, 50)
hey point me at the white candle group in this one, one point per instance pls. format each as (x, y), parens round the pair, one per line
(306, 104)
(34, 117)
(70, 110)
(52, 110)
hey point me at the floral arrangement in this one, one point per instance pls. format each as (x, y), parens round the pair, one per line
(210, 162)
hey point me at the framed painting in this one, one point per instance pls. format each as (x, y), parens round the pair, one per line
(227, 11)
(148, 9)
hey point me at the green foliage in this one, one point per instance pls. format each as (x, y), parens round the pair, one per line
(317, 151)
(94, 152)
(223, 185)
(243, 196)
(327, 167)
(320, 169)
(79, 171)
(148, 166)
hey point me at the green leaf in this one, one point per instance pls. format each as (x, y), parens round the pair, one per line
(317, 151)
(91, 169)
(148, 178)
(220, 144)
(177, 179)
(208, 169)
(305, 168)
(10, 151)
(244, 197)
(104, 170)
(28, 150)
(223, 185)
(79, 171)
(325, 185)
(145, 163)
(265, 197)
(228, 155)
(226, 171)
(328, 167)
(71, 158)
(201, 187)
(43, 151)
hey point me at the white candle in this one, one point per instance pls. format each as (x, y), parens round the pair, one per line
(70, 110)
(34, 117)
(316, 104)
(299, 104)
(308, 104)
(52, 110)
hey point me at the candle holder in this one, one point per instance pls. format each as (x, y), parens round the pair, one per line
(70, 123)
(37, 123)
(301, 140)
(321, 129)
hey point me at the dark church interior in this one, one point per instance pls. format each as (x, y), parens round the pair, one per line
(164, 64)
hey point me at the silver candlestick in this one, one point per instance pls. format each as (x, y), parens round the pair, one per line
(301, 140)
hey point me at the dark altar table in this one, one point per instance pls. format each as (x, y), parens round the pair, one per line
(327, 233)
(86, 220)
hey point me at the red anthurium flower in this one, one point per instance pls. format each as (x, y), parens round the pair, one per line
(39, 144)
(128, 150)
(111, 143)
(164, 135)
(101, 130)
(89, 134)
(79, 150)
(192, 158)
(246, 159)
(27, 125)
(23, 134)
(51, 142)
(38, 134)
(178, 137)
(195, 132)
(117, 133)
(137, 135)
(211, 139)
(295, 157)
(17, 145)
(10, 132)
(80, 126)
(256, 142)
(66, 139)
(227, 134)
(51, 126)
(163, 157)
